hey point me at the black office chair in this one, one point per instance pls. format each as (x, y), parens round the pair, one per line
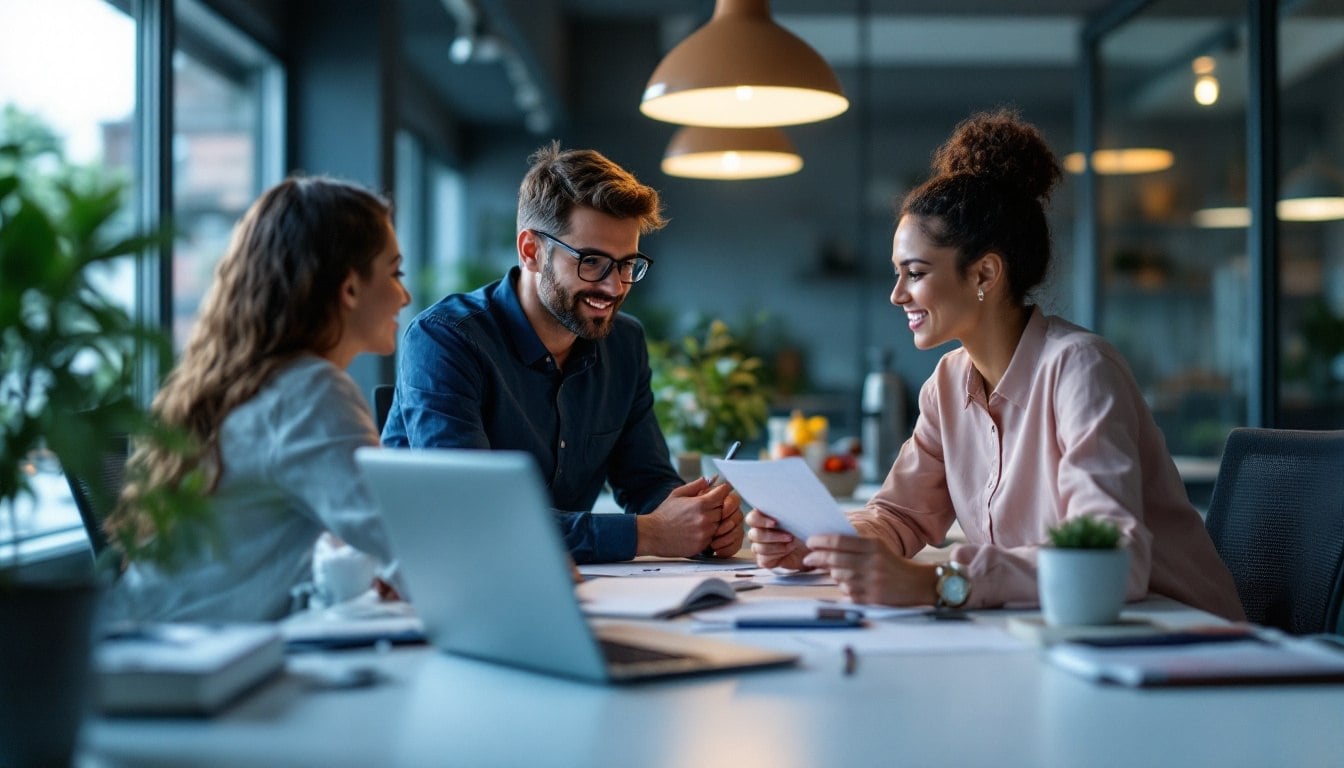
(96, 495)
(1277, 521)
(382, 404)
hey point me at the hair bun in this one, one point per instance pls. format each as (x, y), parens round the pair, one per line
(1001, 148)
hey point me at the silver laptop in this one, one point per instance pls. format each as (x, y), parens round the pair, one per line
(489, 575)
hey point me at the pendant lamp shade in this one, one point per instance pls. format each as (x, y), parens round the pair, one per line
(698, 152)
(1122, 162)
(1313, 192)
(743, 70)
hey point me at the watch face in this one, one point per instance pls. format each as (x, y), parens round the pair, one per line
(955, 589)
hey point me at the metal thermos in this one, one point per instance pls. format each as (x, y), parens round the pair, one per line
(883, 409)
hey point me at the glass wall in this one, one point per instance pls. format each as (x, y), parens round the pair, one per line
(1172, 221)
(1311, 214)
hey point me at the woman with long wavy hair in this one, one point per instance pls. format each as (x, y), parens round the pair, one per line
(311, 279)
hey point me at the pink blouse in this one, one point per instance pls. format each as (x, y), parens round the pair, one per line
(1065, 434)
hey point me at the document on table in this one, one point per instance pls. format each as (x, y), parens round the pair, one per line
(787, 490)
(667, 566)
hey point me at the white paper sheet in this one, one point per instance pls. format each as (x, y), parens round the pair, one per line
(787, 490)
(657, 566)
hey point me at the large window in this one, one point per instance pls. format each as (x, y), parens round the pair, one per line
(227, 101)
(70, 66)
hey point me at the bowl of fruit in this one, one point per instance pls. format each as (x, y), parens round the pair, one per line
(840, 474)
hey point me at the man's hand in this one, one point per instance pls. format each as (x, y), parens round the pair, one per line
(687, 522)
(727, 538)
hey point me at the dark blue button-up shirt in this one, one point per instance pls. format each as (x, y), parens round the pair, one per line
(473, 374)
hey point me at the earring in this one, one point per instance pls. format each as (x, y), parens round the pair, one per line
(980, 294)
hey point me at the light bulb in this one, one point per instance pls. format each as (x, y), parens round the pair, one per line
(1206, 90)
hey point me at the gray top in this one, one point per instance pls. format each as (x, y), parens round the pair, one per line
(289, 474)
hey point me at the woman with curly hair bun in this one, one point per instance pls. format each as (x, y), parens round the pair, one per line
(1029, 422)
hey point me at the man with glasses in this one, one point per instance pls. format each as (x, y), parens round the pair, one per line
(542, 361)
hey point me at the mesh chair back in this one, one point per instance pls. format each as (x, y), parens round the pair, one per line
(1277, 521)
(382, 404)
(96, 496)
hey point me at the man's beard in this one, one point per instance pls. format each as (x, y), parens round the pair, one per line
(564, 306)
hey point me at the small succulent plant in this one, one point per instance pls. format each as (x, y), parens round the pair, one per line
(1085, 533)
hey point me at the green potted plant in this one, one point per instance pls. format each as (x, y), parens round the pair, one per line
(67, 362)
(1082, 574)
(707, 394)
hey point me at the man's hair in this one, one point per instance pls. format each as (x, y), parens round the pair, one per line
(559, 181)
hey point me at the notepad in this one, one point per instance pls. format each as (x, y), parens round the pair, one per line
(654, 597)
(1200, 658)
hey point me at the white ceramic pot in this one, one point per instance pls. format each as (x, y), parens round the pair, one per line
(1081, 586)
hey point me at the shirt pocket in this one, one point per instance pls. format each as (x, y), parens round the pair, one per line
(599, 446)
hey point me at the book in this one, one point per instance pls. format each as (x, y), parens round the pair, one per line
(1201, 656)
(183, 668)
(654, 597)
(1034, 629)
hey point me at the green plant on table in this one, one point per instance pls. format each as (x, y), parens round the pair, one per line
(1085, 533)
(707, 391)
(69, 354)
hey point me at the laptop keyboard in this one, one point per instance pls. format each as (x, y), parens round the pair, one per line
(621, 653)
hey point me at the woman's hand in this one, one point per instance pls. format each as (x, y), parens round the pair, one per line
(773, 546)
(868, 572)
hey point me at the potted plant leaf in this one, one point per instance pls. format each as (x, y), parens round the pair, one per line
(67, 361)
(1082, 574)
(707, 394)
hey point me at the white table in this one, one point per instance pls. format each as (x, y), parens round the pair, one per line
(965, 709)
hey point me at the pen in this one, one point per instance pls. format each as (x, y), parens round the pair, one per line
(729, 454)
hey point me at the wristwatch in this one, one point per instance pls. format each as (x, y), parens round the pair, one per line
(953, 587)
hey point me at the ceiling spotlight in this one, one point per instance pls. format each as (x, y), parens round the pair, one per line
(475, 49)
(1206, 84)
(1206, 90)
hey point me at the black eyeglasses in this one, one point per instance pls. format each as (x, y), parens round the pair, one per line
(595, 266)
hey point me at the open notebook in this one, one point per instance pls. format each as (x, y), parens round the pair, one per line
(489, 575)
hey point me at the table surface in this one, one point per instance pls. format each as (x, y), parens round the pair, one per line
(1005, 708)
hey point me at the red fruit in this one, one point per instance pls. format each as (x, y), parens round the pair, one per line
(788, 449)
(834, 463)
